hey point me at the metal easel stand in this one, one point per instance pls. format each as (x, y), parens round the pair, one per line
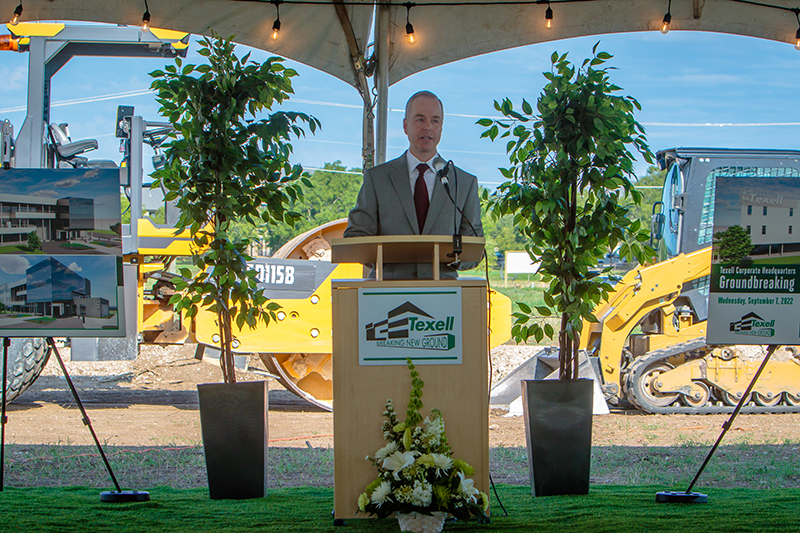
(3, 419)
(669, 496)
(119, 495)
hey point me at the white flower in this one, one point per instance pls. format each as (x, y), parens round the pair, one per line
(422, 494)
(398, 461)
(434, 427)
(434, 430)
(381, 493)
(386, 451)
(465, 486)
(441, 463)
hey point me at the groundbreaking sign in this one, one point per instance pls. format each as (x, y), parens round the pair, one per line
(423, 324)
(754, 273)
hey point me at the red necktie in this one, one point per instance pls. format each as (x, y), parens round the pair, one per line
(421, 201)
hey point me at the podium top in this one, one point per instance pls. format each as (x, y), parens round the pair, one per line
(404, 249)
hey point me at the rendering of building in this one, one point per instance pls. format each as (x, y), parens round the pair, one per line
(91, 307)
(52, 219)
(12, 296)
(769, 219)
(52, 288)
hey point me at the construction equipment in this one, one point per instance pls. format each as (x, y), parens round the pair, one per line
(649, 345)
(297, 347)
(40, 144)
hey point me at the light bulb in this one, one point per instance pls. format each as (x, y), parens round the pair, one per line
(276, 28)
(410, 34)
(797, 36)
(17, 14)
(665, 23)
(548, 17)
(146, 21)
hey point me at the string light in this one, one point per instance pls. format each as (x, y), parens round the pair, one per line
(548, 16)
(146, 17)
(797, 34)
(17, 15)
(409, 28)
(276, 26)
(667, 19)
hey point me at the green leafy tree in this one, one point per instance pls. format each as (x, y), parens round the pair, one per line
(125, 207)
(570, 175)
(500, 233)
(733, 245)
(34, 242)
(650, 186)
(225, 164)
(330, 196)
(159, 216)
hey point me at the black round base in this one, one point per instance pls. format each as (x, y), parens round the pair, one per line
(669, 496)
(113, 496)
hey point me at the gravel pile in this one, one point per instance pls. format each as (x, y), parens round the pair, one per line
(145, 369)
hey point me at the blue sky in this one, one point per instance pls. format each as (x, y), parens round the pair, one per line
(746, 88)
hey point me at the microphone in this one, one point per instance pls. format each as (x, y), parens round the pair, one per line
(442, 168)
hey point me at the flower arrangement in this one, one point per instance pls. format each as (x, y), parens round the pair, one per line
(416, 469)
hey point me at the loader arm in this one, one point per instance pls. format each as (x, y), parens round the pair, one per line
(642, 291)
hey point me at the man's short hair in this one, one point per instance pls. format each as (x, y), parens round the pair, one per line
(427, 94)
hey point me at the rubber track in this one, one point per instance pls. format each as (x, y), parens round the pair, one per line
(26, 360)
(642, 363)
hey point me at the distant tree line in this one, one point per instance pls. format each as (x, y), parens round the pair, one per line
(333, 194)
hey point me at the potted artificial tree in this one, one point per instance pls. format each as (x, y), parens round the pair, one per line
(228, 163)
(568, 183)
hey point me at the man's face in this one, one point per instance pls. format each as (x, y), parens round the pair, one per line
(423, 126)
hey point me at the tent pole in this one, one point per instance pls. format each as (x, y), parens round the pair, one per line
(382, 42)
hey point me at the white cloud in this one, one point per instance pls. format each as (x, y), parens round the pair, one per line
(74, 267)
(14, 79)
(66, 183)
(46, 193)
(14, 264)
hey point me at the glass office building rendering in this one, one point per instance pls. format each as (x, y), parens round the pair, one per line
(52, 288)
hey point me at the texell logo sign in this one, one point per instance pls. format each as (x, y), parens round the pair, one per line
(408, 326)
(753, 325)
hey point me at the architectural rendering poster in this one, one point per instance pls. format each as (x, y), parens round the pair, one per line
(755, 290)
(60, 253)
(421, 323)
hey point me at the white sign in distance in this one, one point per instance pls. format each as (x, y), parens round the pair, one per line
(520, 263)
(423, 324)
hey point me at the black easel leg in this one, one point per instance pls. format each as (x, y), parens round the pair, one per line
(727, 425)
(3, 419)
(86, 420)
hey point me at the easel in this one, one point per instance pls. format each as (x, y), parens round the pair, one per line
(109, 496)
(695, 497)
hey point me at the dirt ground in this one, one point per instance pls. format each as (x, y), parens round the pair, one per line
(152, 401)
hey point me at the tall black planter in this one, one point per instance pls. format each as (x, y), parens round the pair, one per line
(233, 420)
(558, 429)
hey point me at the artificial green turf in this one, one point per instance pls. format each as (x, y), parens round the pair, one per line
(616, 509)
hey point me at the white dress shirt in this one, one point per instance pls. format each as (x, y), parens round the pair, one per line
(429, 176)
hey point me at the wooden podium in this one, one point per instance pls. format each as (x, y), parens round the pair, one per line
(360, 391)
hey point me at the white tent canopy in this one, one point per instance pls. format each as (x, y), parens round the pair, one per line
(334, 35)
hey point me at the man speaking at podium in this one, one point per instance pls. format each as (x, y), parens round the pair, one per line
(406, 196)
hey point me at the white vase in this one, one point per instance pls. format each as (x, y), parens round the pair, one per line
(421, 523)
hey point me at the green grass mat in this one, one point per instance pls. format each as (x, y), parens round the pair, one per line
(607, 508)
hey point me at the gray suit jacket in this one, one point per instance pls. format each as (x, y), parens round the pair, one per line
(385, 206)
